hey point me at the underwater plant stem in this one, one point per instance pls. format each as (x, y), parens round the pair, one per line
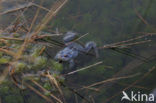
(54, 10)
(53, 96)
(34, 19)
(54, 81)
(77, 93)
(131, 85)
(37, 92)
(76, 99)
(4, 74)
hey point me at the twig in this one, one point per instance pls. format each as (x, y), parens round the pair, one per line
(34, 19)
(92, 99)
(10, 38)
(8, 52)
(17, 8)
(20, 7)
(84, 68)
(123, 45)
(45, 35)
(136, 38)
(36, 37)
(136, 86)
(140, 17)
(91, 88)
(82, 36)
(41, 7)
(135, 43)
(42, 50)
(3, 41)
(146, 33)
(109, 80)
(120, 44)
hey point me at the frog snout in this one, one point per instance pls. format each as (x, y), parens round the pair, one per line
(60, 61)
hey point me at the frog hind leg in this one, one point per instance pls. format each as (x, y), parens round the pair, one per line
(91, 45)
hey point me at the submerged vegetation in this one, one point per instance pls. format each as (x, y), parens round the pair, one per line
(123, 30)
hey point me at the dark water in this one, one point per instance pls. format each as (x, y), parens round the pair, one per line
(106, 21)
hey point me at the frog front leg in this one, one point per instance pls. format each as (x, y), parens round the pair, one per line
(71, 63)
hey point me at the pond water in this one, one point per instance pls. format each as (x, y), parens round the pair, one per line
(106, 22)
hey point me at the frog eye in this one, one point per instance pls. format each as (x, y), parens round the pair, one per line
(65, 55)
